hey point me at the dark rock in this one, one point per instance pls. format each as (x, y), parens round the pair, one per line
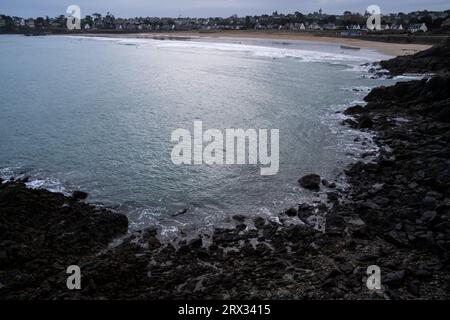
(239, 218)
(150, 232)
(332, 196)
(354, 110)
(311, 181)
(432, 60)
(79, 195)
(397, 238)
(429, 202)
(196, 243)
(259, 222)
(291, 212)
(350, 122)
(365, 122)
(180, 212)
(428, 216)
(346, 267)
(395, 278)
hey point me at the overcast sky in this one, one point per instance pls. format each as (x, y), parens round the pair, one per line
(206, 8)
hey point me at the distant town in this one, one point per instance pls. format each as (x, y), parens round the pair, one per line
(348, 23)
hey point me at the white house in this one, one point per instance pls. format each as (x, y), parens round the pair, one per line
(302, 26)
(330, 26)
(314, 26)
(418, 27)
(30, 23)
(87, 26)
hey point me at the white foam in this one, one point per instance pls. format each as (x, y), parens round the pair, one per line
(35, 180)
(358, 89)
(51, 185)
(254, 50)
(413, 76)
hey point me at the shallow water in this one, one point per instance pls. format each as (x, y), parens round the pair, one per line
(97, 114)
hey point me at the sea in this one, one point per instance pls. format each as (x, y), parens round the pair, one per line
(96, 114)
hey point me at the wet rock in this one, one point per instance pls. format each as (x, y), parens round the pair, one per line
(291, 212)
(354, 110)
(310, 181)
(397, 238)
(259, 222)
(428, 216)
(179, 213)
(429, 202)
(79, 195)
(239, 218)
(365, 122)
(432, 60)
(350, 122)
(328, 184)
(332, 196)
(346, 267)
(196, 243)
(395, 278)
(149, 233)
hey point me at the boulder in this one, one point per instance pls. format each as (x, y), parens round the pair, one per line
(310, 181)
(79, 195)
(239, 218)
(354, 110)
(365, 122)
(291, 212)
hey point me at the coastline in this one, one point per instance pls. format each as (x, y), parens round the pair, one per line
(387, 48)
(396, 215)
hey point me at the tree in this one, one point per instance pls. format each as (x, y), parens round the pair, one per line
(330, 19)
(39, 22)
(437, 23)
(428, 20)
(248, 23)
(299, 15)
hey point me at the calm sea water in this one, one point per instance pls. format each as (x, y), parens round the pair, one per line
(97, 115)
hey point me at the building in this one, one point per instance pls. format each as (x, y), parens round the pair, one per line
(330, 26)
(30, 23)
(413, 28)
(19, 22)
(446, 23)
(314, 26)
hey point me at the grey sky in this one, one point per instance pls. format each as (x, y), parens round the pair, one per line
(203, 8)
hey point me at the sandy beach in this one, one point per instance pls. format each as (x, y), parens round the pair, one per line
(387, 48)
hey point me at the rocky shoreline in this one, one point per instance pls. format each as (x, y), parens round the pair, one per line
(396, 215)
